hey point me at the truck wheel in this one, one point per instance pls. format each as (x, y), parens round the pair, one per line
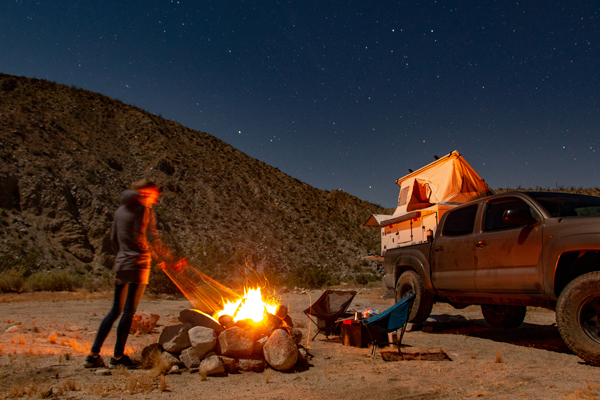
(501, 316)
(409, 282)
(578, 316)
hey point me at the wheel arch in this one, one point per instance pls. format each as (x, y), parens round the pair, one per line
(572, 264)
(409, 259)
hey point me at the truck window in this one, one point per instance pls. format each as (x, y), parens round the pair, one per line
(495, 210)
(568, 204)
(460, 222)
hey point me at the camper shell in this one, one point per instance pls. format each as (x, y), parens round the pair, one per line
(425, 195)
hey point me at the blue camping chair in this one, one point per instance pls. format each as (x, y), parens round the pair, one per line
(390, 320)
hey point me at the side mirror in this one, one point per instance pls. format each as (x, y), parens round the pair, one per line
(519, 216)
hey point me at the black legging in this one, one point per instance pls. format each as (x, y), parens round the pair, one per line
(127, 298)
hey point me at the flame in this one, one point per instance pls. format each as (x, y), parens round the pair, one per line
(250, 306)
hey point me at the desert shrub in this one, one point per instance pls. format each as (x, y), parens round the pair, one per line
(161, 283)
(366, 278)
(96, 284)
(53, 282)
(311, 277)
(12, 280)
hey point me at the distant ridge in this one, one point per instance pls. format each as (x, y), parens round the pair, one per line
(66, 154)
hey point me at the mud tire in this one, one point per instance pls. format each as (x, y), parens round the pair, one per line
(578, 316)
(502, 316)
(410, 282)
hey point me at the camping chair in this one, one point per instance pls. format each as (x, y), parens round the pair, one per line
(328, 308)
(390, 320)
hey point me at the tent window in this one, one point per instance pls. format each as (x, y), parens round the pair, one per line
(403, 196)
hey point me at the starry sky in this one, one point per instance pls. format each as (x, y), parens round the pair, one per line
(342, 94)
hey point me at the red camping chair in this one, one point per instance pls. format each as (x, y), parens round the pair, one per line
(328, 308)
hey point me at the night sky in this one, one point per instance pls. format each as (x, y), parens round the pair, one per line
(342, 94)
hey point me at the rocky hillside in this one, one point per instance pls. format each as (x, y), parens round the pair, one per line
(66, 154)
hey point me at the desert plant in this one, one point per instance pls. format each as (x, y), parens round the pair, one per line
(11, 281)
(311, 277)
(161, 283)
(52, 282)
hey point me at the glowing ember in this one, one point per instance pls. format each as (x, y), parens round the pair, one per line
(250, 306)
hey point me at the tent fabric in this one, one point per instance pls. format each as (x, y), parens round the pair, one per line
(449, 179)
(385, 220)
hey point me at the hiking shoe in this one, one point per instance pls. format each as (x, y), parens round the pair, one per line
(93, 362)
(125, 361)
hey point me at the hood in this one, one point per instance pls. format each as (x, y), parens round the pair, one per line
(130, 198)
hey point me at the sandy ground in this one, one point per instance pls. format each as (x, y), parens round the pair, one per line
(44, 338)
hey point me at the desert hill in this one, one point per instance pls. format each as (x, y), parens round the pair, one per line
(66, 155)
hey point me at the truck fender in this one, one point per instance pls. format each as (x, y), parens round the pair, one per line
(566, 244)
(396, 261)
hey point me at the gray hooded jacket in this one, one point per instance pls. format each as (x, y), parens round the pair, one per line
(134, 232)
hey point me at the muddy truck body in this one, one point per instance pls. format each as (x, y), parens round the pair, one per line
(504, 252)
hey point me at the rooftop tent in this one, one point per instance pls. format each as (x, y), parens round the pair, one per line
(448, 180)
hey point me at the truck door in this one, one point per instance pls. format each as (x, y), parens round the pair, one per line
(508, 256)
(453, 259)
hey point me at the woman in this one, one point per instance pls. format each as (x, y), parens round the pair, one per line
(134, 233)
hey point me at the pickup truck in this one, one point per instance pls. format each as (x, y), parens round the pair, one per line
(506, 252)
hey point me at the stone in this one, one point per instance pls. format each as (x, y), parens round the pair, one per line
(203, 340)
(226, 321)
(103, 372)
(295, 333)
(287, 321)
(259, 345)
(14, 328)
(190, 358)
(281, 311)
(280, 351)
(236, 342)
(303, 355)
(175, 338)
(212, 366)
(271, 323)
(144, 322)
(251, 365)
(229, 363)
(198, 318)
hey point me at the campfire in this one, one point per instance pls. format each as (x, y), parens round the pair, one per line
(250, 306)
(236, 333)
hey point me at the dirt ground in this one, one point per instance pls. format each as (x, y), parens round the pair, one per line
(44, 338)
